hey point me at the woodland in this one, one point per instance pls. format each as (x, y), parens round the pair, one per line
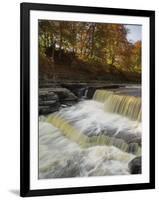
(99, 51)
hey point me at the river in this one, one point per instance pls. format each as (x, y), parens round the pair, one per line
(97, 137)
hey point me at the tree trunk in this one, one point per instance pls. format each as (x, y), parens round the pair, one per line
(92, 40)
(60, 44)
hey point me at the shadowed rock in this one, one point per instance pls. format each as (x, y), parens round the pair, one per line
(50, 99)
(135, 166)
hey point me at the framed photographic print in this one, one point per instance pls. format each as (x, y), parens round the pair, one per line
(87, 99)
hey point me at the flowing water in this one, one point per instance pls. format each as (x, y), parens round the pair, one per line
(91, 138)
(128, 106)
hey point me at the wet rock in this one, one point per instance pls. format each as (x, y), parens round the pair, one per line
(47, 94)
(129, 90)
(50, 99)
(126, 141)
(48, 102)
(45, 110)
(135, 166)
(77, 89)
(129, 137)
(64, 94)
(86, 89)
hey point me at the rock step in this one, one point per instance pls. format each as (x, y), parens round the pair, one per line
(45, 110)
(50, 99)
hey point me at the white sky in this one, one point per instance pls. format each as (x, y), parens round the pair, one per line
(134, 33)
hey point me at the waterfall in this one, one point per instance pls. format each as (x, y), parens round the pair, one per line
(91, 138)
(85, 93)
(128, 106)
(101, 95)
(124, 105)
(60, 157)
(82, 93)
(83, 140)
(88, 124)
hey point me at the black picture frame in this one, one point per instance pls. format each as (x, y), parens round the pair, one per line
(25, 190)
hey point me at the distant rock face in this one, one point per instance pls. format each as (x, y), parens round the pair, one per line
(135, 166)
(50, 99)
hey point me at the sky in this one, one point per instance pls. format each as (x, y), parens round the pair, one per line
(135, 32)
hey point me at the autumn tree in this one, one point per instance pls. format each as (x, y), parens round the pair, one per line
(98, 44)
(136, 57)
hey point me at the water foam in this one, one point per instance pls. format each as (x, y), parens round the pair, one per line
(74, 147)
(62, 157)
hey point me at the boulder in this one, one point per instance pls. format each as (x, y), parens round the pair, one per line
(47, 94)
(129, 137)
(48, 102)
(51, 99)
(135, 166)
(62, 93)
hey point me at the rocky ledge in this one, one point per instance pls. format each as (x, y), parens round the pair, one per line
(51, 99)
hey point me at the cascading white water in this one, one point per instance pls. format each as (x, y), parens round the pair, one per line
(128, 106)
(86, 140)
(61, 157)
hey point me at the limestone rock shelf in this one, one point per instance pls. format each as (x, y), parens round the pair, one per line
(50, 99)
